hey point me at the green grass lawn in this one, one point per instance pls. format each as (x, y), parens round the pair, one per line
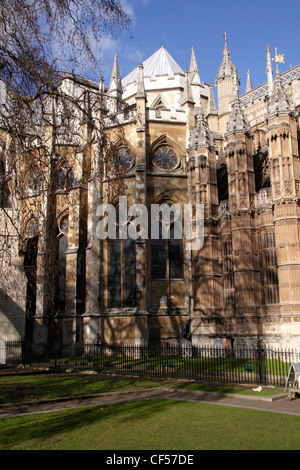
(152, 425)
(20, 388)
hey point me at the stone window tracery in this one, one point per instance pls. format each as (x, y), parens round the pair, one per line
(122, 289)
(167, 257)
(165, 159)
(228, 274)
(120, 161)
(63, 228)
(269, 268)
(36, 180)
(125, 158)
(65, 178)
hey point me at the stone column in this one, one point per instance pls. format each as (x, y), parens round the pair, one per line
(141, 329)
(91, 318)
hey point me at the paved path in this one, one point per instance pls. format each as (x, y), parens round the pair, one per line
(276, 404)
(283, 405)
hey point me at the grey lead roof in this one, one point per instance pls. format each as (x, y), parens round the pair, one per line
(159, 64)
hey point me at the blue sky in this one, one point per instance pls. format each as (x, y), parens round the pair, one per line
(181, 25)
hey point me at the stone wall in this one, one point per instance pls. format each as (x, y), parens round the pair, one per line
(12, 280)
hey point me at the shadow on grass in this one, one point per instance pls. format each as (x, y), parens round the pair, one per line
(42, 428)
(23, 388)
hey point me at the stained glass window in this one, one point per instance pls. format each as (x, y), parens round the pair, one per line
(167, 252)
(126, 159)
(165, 159)
(269, 268)
(122, 273)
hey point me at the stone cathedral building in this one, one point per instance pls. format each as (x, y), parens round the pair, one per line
(175, 144)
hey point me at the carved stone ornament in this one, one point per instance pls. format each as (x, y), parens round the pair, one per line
(277, 189)
(288, 188)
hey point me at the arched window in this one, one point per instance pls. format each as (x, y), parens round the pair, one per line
(160, 104)
(166, 156)
(36, 180)
(70, 178)
(125, 158)
(30, 259)
(120, 160)
(61, 180)
(165, 159)
(63, 227)
(167, 256)
(122, 273)
(30, 269)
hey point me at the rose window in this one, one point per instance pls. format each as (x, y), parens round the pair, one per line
(165, 159)
(126, 159)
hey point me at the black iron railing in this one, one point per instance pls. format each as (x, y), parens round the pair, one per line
(255, 364)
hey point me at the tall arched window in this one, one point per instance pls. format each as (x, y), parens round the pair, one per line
(167, 256)
(30, 269)
(63, 226)
(122, 273)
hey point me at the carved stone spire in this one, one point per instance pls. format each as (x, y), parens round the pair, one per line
(237, 123)
(249, 86)
(269, 71)
(141, 84)
(115, 87)
(201, 136)
(226, 69)
(278, 100)
(195, 76)
(228, 83)
(211, 101)
(102, 94)
(187, 92)
(115, 81)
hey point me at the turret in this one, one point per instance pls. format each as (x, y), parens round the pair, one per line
(239, 159)
(285, 170)
(241, 190)
(203, 189)
(202, 166)
(226, 82)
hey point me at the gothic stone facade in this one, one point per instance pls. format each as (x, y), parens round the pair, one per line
(175, 146)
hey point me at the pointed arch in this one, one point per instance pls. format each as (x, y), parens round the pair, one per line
(62, 249)
(166, 196)
(166, 155)
(160, 102)
(121, 155)
(29, 228)
(63, 223)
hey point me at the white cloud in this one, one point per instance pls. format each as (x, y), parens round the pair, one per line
(129, 53)
(129, 10)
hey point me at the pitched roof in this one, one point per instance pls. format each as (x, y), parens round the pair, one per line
(159, 64)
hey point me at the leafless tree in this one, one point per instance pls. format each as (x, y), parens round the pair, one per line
(43, 109)
(41, 38)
